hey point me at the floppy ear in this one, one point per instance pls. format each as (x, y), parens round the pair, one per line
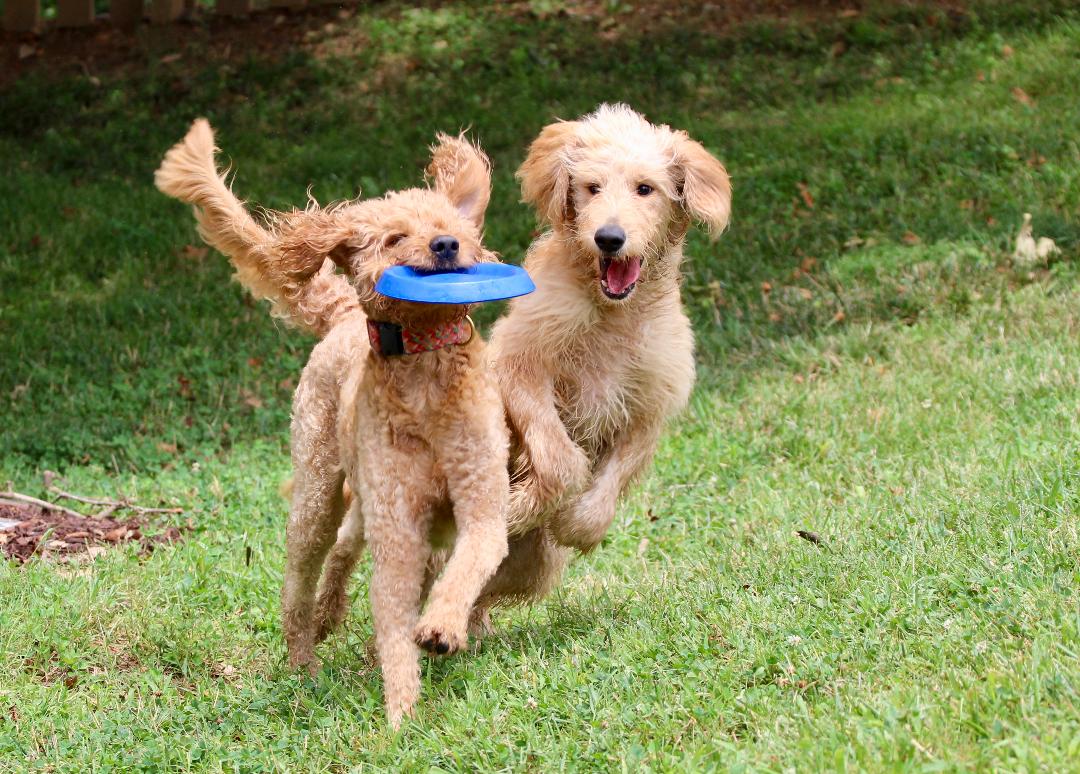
(704, 186)
(461, 171)
(305, 239)
(545, 180)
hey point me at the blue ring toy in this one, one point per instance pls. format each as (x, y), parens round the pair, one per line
(474, 285)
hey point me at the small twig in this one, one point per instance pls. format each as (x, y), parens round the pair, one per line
(14, 498)
(111, 506)
(140, 509)
(78, 498)
(108, 511)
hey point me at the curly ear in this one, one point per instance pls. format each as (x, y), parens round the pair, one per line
(704, 184)
(544, 176)
(461, 171)
(306, 238)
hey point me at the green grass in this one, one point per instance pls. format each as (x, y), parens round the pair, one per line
(928, 432)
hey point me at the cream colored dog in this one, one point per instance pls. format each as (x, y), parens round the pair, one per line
(594, 363)
(397, 399)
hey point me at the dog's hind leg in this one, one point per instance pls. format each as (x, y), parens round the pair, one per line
(332, 604)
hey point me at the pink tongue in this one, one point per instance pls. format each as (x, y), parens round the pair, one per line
(623, 274)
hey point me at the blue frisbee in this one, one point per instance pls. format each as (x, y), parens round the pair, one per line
(474, 285)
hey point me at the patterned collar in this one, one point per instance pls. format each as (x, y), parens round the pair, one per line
(390, 339)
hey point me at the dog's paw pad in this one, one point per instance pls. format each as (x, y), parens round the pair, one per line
(438, 641)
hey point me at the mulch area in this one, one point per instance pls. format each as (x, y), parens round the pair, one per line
(48, 533)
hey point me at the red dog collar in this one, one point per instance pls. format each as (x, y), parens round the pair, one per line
(390, 339)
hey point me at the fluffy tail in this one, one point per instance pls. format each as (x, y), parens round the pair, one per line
(309, 297)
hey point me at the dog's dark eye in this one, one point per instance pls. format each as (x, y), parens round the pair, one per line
(593, 188)
(644, 190)
(392, 240)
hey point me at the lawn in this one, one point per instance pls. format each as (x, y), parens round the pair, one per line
(873, 370)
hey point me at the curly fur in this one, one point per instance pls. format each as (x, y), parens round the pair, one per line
(420, 439)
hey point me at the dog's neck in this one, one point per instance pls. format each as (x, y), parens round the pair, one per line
(390, 339)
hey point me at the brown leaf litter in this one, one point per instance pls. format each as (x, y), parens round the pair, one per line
(57, 534)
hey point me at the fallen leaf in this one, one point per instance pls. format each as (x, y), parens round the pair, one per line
(910, 238)
(766, 288)
(1022, 96)
(809, 536)
(193, 252)
(839, 316)
(967, 204)
(169, 58)
(254, 362)
(185, 387)
(116, 535)
(1007, 51)
(25, 51)
(838, 48)
(804, 192)
(168, 448)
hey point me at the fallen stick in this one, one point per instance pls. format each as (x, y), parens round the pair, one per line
(111, 505)
(14, 498)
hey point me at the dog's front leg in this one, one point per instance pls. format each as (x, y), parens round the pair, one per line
(397, 533)
(553, 464)
(583, 523)
(478, 486)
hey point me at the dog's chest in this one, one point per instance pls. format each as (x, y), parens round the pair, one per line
(601, 386)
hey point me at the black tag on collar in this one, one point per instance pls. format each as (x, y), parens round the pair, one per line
(385, 338)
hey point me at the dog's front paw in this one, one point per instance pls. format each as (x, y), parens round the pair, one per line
(583, 525)
(398, 710)
(440, 640)
(306, 661)
(558, 465)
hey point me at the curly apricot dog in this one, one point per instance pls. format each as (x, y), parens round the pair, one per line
(593, 364)
(399, 402)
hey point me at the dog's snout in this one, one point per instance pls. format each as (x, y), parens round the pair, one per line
(445, 249)
(610, 238)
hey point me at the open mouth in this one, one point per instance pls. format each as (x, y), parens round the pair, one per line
(619, 275)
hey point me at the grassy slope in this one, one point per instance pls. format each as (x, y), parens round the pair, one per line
(929, 436)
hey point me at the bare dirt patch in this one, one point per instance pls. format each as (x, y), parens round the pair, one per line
(49, 533)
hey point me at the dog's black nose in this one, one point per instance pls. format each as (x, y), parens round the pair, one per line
(445, 249)
(610, 239)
